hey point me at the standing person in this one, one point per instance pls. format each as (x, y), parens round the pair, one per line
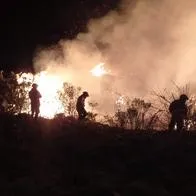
(178, 110)
(80, 105)
(35, 96)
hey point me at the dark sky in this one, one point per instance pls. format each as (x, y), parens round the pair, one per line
(27, 24)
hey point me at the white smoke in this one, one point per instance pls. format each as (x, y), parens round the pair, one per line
(147, 45)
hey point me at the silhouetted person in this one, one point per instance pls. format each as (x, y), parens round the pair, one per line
(35, 96)
(80, 105)
(178, 110)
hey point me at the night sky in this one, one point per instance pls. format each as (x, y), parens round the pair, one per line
(27, 24)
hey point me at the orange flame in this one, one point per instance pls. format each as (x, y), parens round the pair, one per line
(99, 70)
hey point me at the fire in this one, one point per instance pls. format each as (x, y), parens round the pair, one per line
(48, 85)
(99, 70)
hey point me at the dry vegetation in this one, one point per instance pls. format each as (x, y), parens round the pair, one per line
(124, 156)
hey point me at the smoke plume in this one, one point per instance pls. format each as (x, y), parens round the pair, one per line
(146, 44)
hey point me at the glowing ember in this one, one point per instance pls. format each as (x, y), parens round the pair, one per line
(99, 70)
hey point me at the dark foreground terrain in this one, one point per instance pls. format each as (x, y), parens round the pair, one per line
(65, 158)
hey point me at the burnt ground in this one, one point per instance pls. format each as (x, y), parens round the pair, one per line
(66, 158)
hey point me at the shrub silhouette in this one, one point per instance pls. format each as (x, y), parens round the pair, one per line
(14, 94)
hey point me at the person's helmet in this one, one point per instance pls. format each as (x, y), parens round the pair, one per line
(183, 97)
(85, 93)
(34, 85)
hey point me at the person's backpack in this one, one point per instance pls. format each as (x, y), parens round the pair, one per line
(173, 106)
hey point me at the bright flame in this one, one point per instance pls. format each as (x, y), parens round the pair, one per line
(48, 85)
(99, 70)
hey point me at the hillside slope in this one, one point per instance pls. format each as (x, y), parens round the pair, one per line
(64, 157)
